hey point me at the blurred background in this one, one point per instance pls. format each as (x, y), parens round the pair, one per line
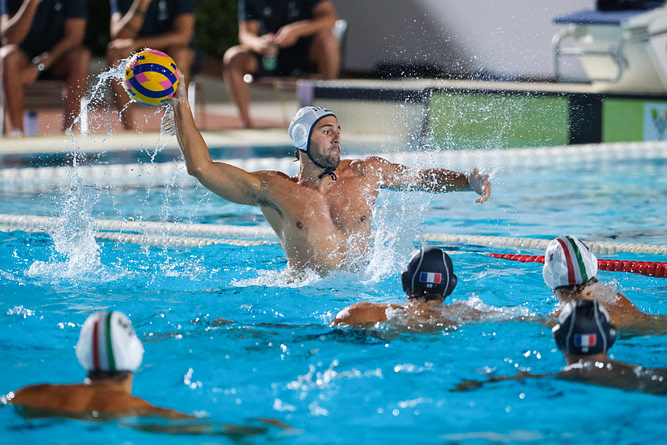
(500, 39)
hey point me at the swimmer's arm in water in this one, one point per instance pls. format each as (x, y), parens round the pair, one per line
(623, 301)
(467, 385)
(436, 180)
(229, 182)
(363, 312)
(236, 432)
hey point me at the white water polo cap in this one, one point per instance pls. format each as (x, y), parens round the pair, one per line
(302, 125)
(108, 343)
(568, 261)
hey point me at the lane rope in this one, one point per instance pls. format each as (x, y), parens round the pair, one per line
(651, 268)
(173, 172)
(182, 234)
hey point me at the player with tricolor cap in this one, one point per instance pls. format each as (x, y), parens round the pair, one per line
(427, 280)
(584, 334)
(110, 351)
(570, 270)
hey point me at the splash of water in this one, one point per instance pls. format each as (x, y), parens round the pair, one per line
(76, 250)
(397, 221)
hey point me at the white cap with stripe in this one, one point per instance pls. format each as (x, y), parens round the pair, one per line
(108, 343)
(567, 261)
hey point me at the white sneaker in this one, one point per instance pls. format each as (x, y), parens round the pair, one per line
(16, 134)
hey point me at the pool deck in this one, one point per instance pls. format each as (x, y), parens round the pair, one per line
(215, 115)
(386, 113)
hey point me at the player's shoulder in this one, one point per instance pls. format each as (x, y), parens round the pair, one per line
(366, 165)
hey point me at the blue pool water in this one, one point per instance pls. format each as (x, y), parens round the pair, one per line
(229, 336)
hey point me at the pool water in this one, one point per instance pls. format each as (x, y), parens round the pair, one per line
(230, 336)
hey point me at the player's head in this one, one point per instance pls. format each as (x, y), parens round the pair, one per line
(429, 271)
(584, 329)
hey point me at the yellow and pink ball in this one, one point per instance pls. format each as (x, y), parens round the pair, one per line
(151, 77)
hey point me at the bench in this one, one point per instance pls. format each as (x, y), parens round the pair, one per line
(41, 94)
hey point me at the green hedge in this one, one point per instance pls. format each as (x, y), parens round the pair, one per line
(216, 27)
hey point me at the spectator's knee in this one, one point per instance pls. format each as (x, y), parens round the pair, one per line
(10, 54)
(236, 57)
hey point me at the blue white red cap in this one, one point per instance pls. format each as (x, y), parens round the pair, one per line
(568, 261)
(108, 343)
(430, 270)
(584, 328)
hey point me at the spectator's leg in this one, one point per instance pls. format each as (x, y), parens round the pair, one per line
(237, 62)
(184, 57)
(74, 67)
(14, 65)
(119, 97)
(325, 53)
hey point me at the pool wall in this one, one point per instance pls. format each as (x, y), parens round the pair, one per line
(465, 114)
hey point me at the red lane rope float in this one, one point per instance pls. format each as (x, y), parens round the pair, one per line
(650, 268)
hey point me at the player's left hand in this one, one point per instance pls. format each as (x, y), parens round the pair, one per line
(480, 184)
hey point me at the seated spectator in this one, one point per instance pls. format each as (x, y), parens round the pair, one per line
(569, 271)
(167, 25)
(584, 334)
(280, 39)
(42, 39)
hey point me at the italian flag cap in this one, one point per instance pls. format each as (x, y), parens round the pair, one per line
(567, 261)
(108, 343)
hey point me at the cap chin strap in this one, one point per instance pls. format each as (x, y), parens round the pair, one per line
(327, 170)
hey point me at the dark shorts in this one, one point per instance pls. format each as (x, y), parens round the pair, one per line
(293, 61)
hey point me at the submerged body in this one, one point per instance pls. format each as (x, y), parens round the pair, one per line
(629, 319)
(584, 334)
(102, 399)
(416, 315)
(600, 371)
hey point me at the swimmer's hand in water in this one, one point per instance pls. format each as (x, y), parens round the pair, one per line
(480, 184)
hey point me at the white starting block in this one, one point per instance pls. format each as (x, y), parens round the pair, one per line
(619, 50)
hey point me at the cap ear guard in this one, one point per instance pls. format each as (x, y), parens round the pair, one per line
(451, 285)
(299, 136)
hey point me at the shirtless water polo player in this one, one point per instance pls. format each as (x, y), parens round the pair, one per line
(322, 215)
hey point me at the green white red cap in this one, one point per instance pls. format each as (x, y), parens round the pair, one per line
(568, 261)
(108, 343)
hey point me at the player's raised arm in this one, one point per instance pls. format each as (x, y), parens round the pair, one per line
(229, 182)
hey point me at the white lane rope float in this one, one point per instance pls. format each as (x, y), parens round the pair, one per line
(179, 234)
(174, 173)
(154, 233)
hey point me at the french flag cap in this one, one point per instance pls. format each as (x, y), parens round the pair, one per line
(430, 270)
(568, 261)
(584, 328)
(108, 343)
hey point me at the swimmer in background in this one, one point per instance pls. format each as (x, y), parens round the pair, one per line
(322, 216)
(584, 334)
(110, 351)
(569, 271)
(428, 279)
